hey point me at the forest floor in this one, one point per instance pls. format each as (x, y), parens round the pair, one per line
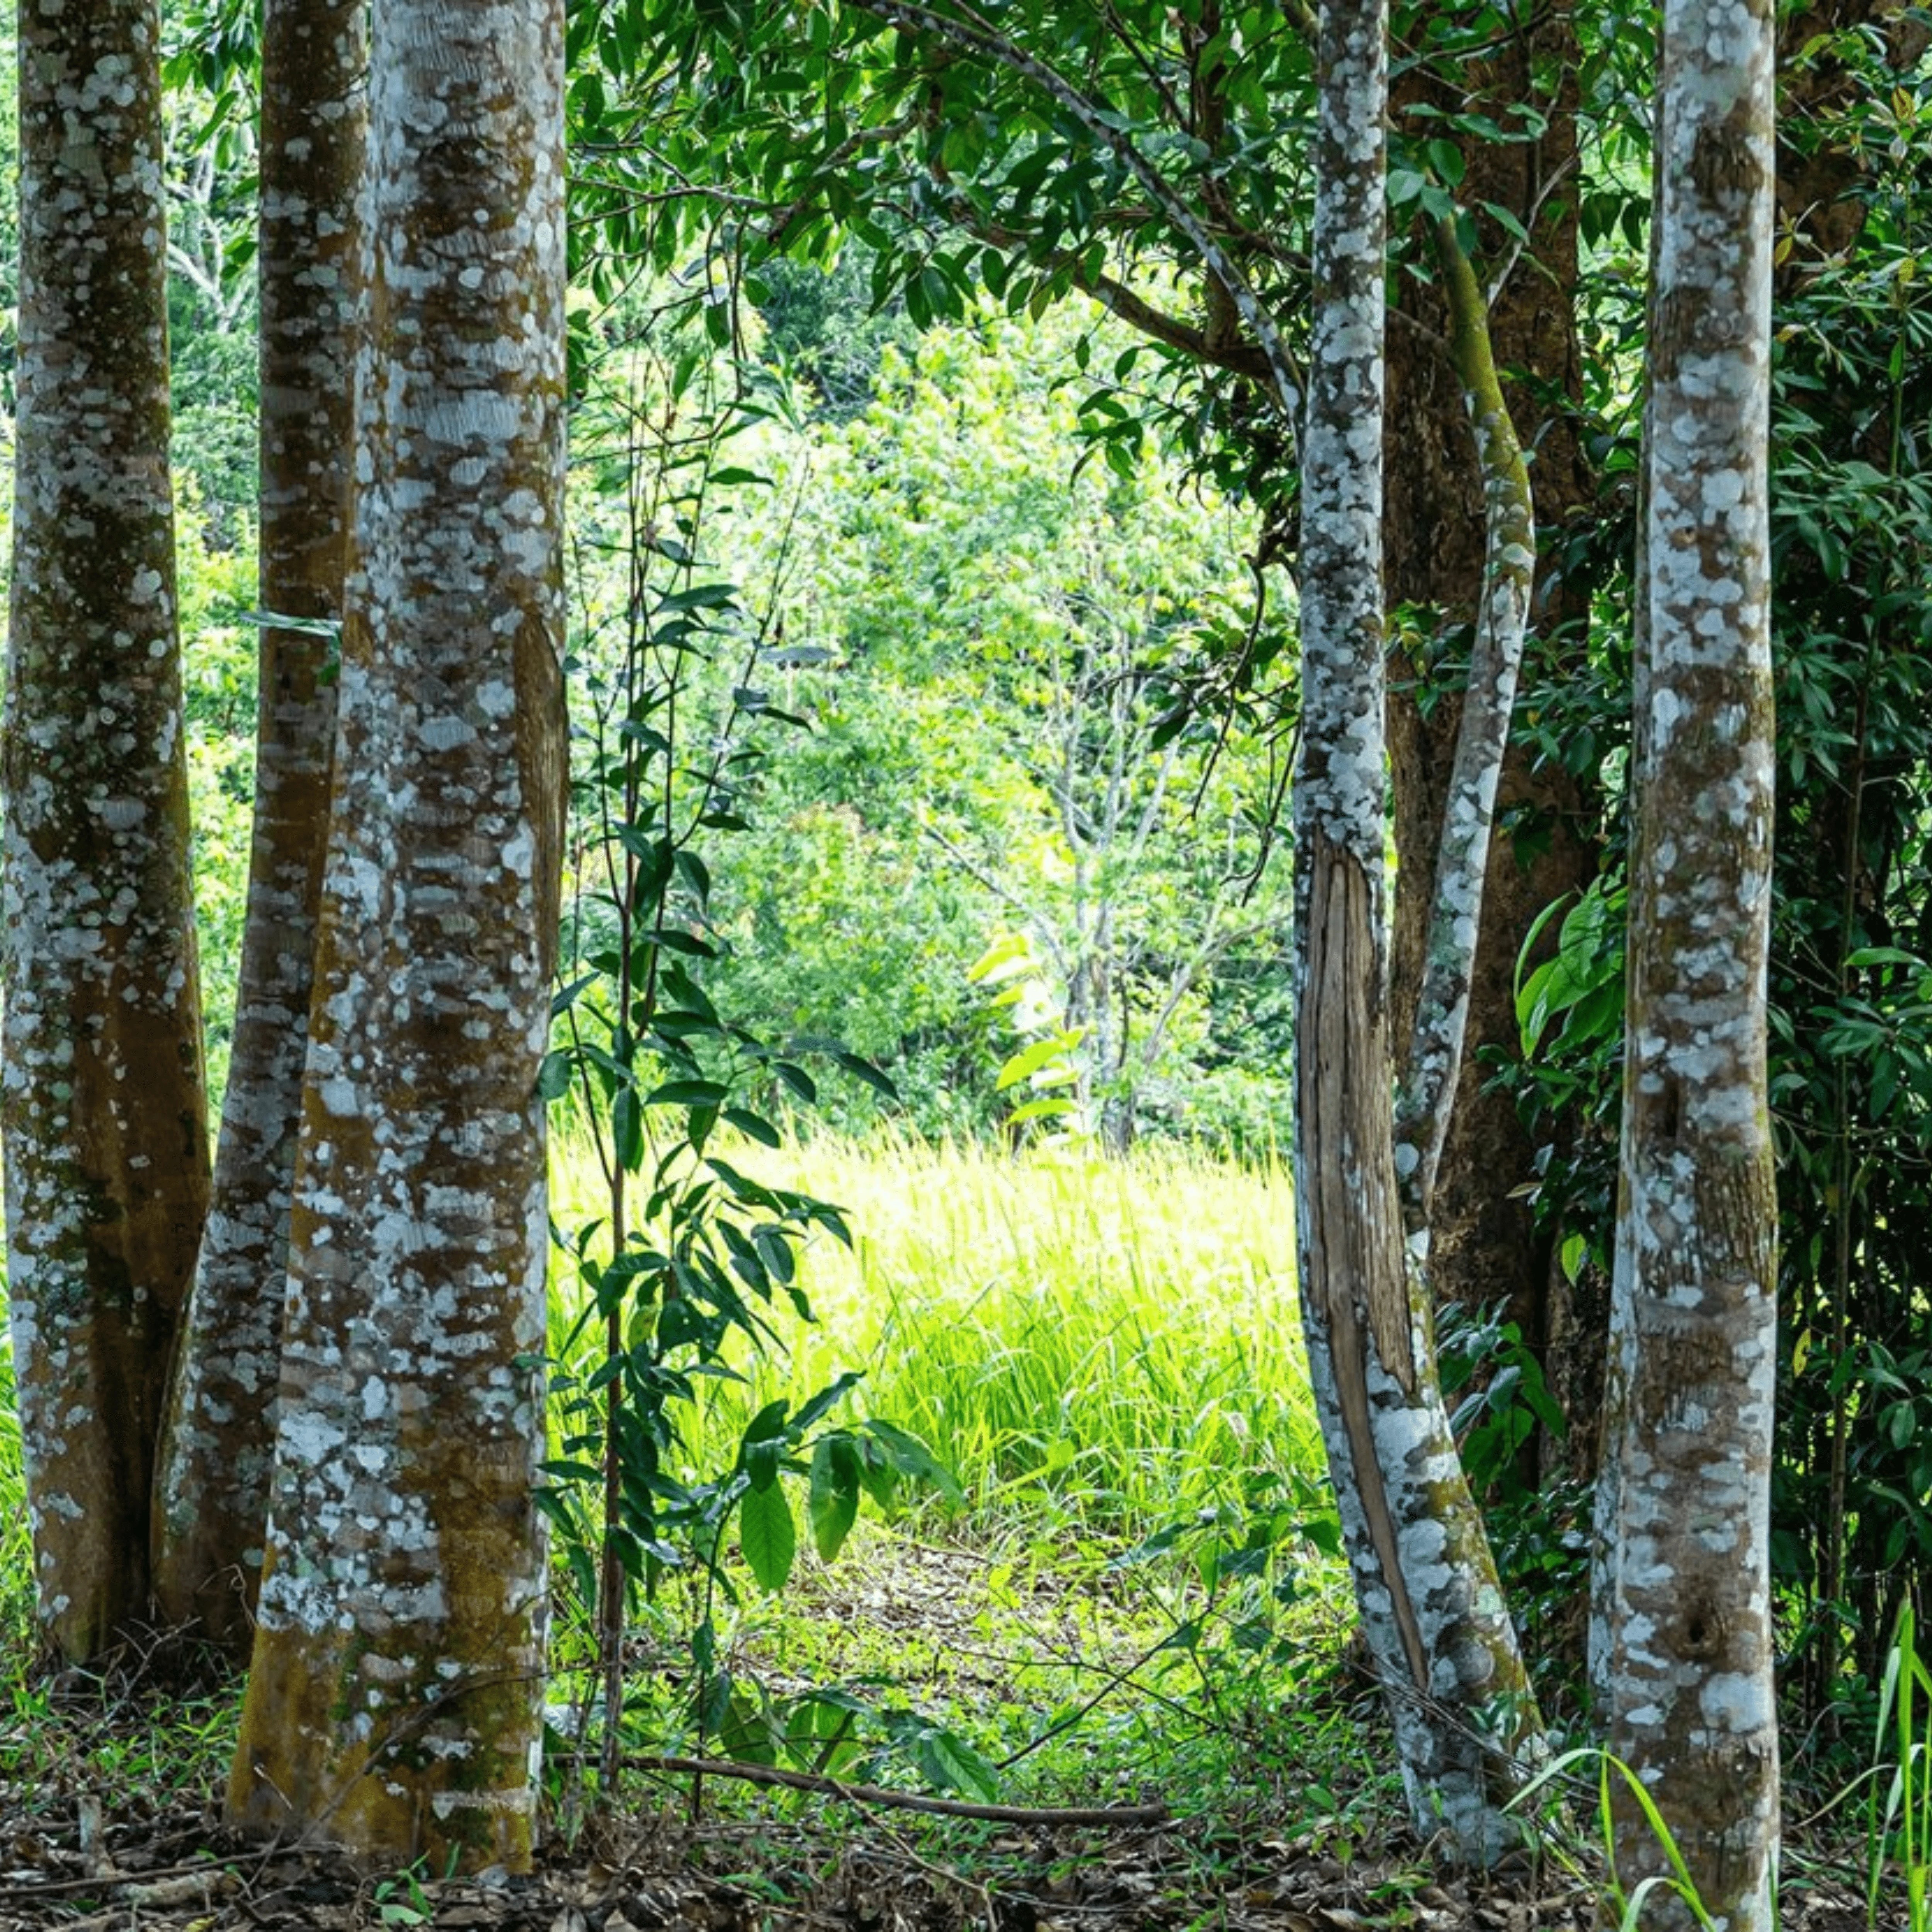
(1284, 1820)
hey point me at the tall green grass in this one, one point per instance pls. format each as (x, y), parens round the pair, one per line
(1112, 1344)
(1116, 1338)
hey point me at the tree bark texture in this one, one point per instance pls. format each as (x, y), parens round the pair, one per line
(394, 1700)
(212, 1489)
(104, 1108)
(1484, 1248)
(1685, 1651)
(1431, 1607)
(1462, 863)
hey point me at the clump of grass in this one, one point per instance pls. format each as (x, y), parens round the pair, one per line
(17, 1548)
(1118, 1337)
(1899, 1821)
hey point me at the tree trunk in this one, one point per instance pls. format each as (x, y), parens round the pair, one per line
(1483, 1248)
(394, 1700)
(1683, 1654)
(1423, 1576)
(104, 1109)
(212, 1489)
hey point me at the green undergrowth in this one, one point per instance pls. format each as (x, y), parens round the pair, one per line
(1091, 1346)
(1136, 1569)
(1133, 1595)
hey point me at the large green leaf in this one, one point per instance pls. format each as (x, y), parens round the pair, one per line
(833, 1503)
(768, 1535)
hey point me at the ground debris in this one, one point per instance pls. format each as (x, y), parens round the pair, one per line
(179, 1871)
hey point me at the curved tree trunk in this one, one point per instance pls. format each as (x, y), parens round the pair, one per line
(1684, 1650)
(105, 1113)
(1423, 1575)
(212, 1487)
(1483, 1248)
(1462, 861)
(393, 1699)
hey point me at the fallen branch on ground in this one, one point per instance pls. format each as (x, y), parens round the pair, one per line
(905, 1801)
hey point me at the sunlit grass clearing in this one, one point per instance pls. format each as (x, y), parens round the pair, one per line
(1119, 1335)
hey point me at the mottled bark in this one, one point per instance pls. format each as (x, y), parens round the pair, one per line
(394, 1698)
(212, 1487)
(1684, 1650)
(1483, 1248)
(1463, 854)
(104, 1110)
(1427, 1584)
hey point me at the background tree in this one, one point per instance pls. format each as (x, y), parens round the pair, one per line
(986, 634)
(394, 1692)
(106, 1147)
(212, 1492)
(1683, 1659)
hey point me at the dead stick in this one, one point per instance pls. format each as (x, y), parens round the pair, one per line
(906, 1801)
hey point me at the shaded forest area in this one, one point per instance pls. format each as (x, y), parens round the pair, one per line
(965, 632)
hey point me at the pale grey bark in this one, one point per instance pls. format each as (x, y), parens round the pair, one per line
(1435, 1045)
(394, 1695)
(211, 1496)
(106, 1139)
(1431, 1606)
(1684, 1642)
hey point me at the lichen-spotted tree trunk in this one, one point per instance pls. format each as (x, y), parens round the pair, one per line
(217, 1446)
(105, 1115)
(1683, 1651)
(394, 1695)
(1485, 1249)
(1461, 874)
(1434, 1616)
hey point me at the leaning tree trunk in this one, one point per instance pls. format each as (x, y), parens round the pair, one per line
(394, 1700)
(1684, 1650)
(104, 1110)
(212, 1486)
(1423, 1575)
(1485, 1248)
(1461, 870)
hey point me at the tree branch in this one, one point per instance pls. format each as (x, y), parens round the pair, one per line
(1284, 374)
(903, 1801)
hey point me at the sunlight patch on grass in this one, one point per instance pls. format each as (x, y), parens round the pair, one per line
(1120, 1336)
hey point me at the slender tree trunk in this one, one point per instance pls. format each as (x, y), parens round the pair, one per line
(1461, 874)
(212, 1489)
(1685, 1650)
(394, 1698)
(1484, 1248)
(1423, 1576)
(104, 1110)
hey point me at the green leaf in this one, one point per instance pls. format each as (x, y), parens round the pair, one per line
(753, 1126)
(911, 1457)
(1031, 1060)
(880, 1083)
(768, 1536)
(1052, 1107)
(950, 1763)
(796, 1078)
(627, 1129)
(769, 1424)
(833, 1500)
(687, 1093)
(1446, 158)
